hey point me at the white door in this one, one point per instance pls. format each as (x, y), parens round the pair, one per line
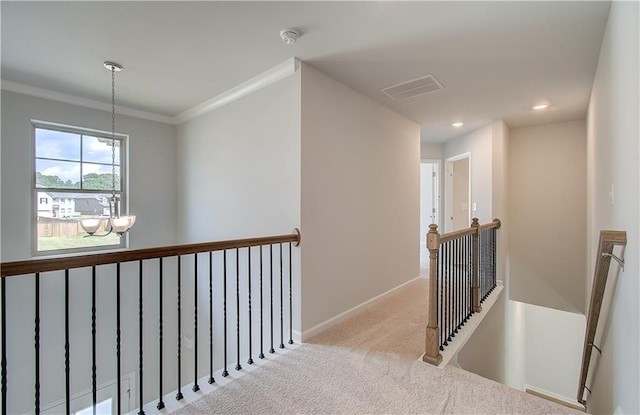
(458, 193)
(429, 206)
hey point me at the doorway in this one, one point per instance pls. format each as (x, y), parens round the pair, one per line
(429, 206)
(457, 193)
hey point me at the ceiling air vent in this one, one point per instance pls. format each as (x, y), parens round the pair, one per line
(409, 89)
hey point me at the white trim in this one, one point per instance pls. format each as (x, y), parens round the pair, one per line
(553, 395)
(266, 78)
(325, 325)
(262, 80)
(83, 102)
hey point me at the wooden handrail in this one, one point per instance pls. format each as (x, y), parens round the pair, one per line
(8, 269)
(608, 240)
(446, 237)
(496, 223)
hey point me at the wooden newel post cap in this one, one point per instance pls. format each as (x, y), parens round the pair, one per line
(433, 237)
(475, 223)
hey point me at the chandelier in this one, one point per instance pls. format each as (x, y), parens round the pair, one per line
(115, 222)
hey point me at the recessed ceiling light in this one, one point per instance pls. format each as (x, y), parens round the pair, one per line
(457, 124)
(540, 107)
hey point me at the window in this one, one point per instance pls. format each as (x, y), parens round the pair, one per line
(44, 201)
(73, 168)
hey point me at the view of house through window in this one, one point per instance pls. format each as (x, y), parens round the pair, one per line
(74, 180)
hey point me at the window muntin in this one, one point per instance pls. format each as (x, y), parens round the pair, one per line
(73, 168)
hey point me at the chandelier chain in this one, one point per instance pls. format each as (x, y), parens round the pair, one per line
(113, 131)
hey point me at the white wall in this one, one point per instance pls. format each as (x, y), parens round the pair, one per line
(553, 350)
(479, 144)
(432, 151)
(547, 211)
(613, 154)
(152, 170)
(485, 351)
(239, 167)
(360, 198)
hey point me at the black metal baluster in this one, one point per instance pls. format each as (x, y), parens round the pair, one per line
(211, 379)
(37, 343)
(118, 366)
(160, 401)
(140, 335)
(238, 367)
(271, 350)
(459, 280)
(494, 237)
(468, 278)
(441, 260)
(439, 277)
(450, 289)
(445, 291)
(250, 361)
(290, 297)
(481, 266)
(261, 355)
(179, 395)
(458, 283)
(463, 281)
(487, 264)
(67, 368)
(456, 286)
(483, 257)
(3, 363)
(195, 387)
(94, 376)
(281, 308)
(485, 275)
(225, 372)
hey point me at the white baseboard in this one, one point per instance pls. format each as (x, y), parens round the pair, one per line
(319, 328)
(553, 397)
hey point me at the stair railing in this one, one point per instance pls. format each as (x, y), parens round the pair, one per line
(462, 274)
(608, 241)
(226, 262)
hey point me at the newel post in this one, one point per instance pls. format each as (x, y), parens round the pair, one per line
(432, 353)
(475, 283)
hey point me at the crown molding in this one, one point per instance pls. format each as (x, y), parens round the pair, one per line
(262, 80)
(83, 102)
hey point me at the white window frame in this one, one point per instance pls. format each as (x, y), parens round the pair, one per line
(123, 192)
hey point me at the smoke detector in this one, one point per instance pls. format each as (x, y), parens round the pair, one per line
(289, 36)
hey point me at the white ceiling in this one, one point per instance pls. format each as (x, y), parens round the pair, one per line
(495, 59)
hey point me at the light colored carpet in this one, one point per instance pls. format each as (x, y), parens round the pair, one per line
(369, 364)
